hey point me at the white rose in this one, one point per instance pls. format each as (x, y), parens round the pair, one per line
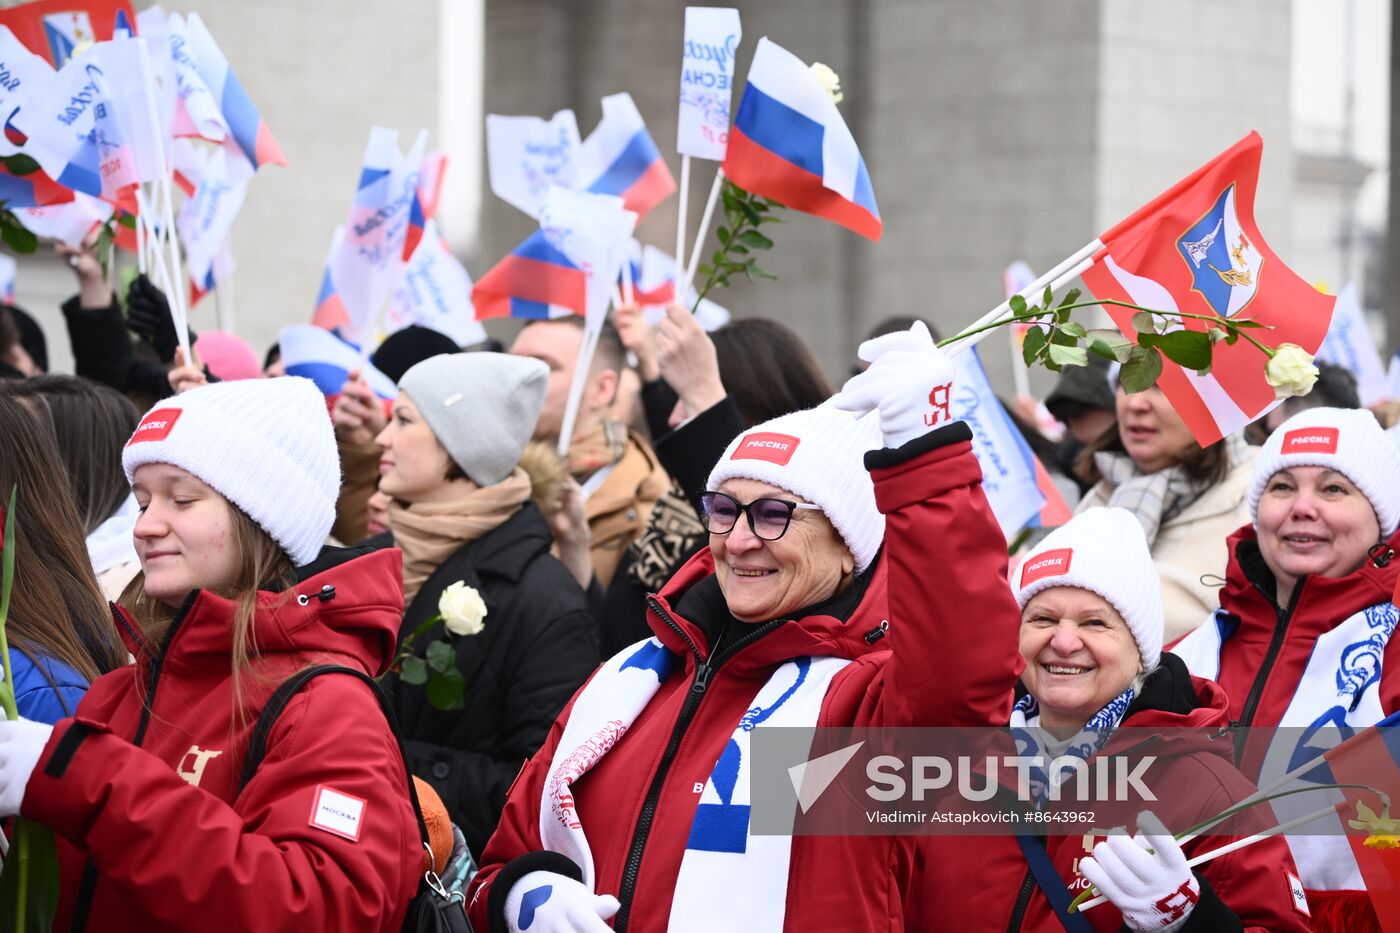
(462, 609)
(1290, 371)
(830, 81)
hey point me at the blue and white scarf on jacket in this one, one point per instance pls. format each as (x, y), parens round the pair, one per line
(1031, 742)
(729, 878)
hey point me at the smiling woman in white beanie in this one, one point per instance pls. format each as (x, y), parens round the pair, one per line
(236, 484)
(1303, 634)
(1091, 640)
(460, 509)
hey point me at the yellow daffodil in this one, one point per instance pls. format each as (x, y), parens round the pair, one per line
(1384, 832)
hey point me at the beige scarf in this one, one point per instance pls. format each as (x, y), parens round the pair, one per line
(429, 533)
(602, 445)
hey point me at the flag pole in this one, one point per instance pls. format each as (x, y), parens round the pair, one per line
(1019, 373)
(1067, 270)
(628, 294)
(582, 364)
(699, 246)
(682, 207)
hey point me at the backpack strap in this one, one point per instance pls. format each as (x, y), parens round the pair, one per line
(257, 743)
(1050, 882)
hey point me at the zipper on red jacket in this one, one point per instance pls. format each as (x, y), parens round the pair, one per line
(1023, 901)
(1256, 690)
(703, 669)
(82, 904)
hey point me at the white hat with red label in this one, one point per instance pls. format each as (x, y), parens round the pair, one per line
(1348, 440)
(1103, 551)
(817, 455)
(266, 445)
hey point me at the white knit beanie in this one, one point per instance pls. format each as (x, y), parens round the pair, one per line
(481, 407)
(817, 455)
(266, 445)
(1348, 440)
(1103, 551)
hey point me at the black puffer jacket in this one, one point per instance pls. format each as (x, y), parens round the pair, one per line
(538, 645)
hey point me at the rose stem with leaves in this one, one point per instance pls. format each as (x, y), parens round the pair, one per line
(744, 213)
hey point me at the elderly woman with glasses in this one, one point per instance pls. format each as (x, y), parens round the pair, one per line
(828, 596)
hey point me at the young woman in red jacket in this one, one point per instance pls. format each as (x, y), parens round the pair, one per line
(1302, 638)
(237, 484)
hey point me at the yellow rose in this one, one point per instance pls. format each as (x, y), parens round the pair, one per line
(462, 609)
(1290, 371)
(830, 81)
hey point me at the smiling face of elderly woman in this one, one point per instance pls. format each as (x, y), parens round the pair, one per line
(762, 579)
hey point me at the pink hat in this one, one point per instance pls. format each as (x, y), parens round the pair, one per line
(227, 356)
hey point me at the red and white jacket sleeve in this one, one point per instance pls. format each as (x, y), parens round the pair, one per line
(176, 852)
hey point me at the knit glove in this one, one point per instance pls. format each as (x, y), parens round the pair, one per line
(548, 902)
(21, 744)
(910, 382)
(148, 317)
(1146, 877)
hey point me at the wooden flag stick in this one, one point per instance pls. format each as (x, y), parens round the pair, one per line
(700, 235)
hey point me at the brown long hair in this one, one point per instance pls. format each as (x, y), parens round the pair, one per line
(1201, 464)
(56, 606)
(263, 565)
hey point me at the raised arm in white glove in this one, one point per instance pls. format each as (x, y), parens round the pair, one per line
(1155, 889)
(21, 744)
(910, 383)
(548, 902)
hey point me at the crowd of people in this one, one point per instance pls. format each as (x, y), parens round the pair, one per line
(575, 649)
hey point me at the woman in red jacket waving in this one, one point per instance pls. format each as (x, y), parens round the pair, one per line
(237, 484)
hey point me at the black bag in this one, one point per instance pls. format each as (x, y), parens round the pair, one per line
(433, 909)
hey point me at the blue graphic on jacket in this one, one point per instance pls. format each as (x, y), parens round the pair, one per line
(1305, 751)
(532, 901)
(724, 826)
(1361, 660)
(651, 656)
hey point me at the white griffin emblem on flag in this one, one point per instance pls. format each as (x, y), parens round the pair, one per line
(1223, 260)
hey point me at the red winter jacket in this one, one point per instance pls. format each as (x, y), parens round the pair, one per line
(141, 786)
(943, 566)
(982, 883)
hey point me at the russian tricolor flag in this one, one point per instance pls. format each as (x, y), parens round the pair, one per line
(653, 276)
(620, 158)
(534, 281)
(330, 312)
(250, 134)
(790, 144)
(326, 360)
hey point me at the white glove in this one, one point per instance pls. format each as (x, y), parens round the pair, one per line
(1154, 890)
(548, 902)
(21, 744)
(910, 382)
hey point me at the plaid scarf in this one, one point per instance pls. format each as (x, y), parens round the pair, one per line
(1156, 498)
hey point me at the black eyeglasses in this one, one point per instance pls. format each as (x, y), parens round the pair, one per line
(768, 518)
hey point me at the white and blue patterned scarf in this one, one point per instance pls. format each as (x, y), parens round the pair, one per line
(1025, 730)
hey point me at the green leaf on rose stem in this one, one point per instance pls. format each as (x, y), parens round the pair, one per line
(1035, 341)
(20, 164)
(1141, 371)
(723, 234)
(441, 656)
(731, 200)
(738, 249)
(1050, 364)
(751, 213)
(415, 671)
(770, 219)
(1071, 297)
(1069, 356)
(446, 690)
(7, 697)
(1234, 336)
(1048, 298)
(1247, 323)
(128, 221)
(43, 886)
(7, 555)
(1073, 328)
(1109, 344)
(1059, 338)
(1188, 348)
(758, 204)
(1017, 304)
(17, 237)
(1144, 323)
(755, 239)
(756, 270)
(731, 267)
(704, 271)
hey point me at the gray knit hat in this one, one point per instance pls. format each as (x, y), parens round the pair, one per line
(482, 407)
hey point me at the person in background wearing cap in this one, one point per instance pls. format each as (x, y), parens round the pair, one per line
(1187, 498)
(236, 483)
(1302, 636)
(849, 545)
(460, 509)
(359, 415)
(1083, 401)
(619, 478)
(1091, 639)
